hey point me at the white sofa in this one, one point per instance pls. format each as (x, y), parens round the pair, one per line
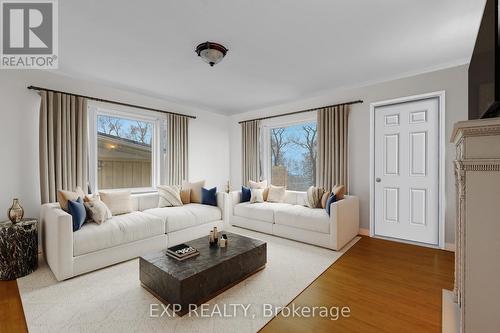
(123, 237)
(291, 219)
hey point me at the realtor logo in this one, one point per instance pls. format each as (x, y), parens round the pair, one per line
(29, 34)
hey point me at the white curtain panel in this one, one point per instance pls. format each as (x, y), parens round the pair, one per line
(177, 149)
(63, 144)
(250, 134)
(333, 164)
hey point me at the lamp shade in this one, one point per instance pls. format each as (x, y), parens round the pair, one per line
(212, 53)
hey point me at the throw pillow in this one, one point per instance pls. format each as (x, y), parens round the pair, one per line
(260, 185)
(64, 196)
(119, 202)
(186, 196)
(324, 198)
(77, 211)
(314, 195)
(97, 211)
(257, 195)
(246, 194)
(339, 191)
(331, 199)
(276, 194)
(209, 197)
(170, 196)
(195, 188)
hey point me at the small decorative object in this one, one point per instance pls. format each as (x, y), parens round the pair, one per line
(16, 212)
(223, 240)
(212, 53)
(216, 236)
(228, 187)
(182, 252)
(211, 239)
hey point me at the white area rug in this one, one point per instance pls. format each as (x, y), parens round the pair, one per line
(112, 299)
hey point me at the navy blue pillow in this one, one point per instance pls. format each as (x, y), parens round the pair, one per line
(77, 211)
(209, 197)
(246, 194)
(331, 199)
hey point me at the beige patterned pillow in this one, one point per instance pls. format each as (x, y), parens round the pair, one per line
(97, 211)
(170, 196)
(260, 185)
(276, 193)
(314, 196)
(195, 190)
(64, 196)
(119, 202)
(256, 195)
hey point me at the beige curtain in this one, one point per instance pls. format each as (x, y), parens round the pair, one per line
(63, 144)
(332, 147)
(250, 132)
(177, 149)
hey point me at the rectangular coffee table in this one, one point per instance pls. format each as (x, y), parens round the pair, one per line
(198, 279)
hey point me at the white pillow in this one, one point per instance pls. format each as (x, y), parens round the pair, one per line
(257, 195)
(259, 185)
(97, 210)
(170, 196)
(276, 194)
(118, 202)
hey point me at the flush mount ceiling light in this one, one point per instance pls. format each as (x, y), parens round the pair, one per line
(211, 52)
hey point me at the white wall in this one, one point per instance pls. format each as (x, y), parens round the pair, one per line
(215, 140)
(19, 113)
(452, 80)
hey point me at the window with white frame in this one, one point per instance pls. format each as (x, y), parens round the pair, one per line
(125, 149)
(290, 153)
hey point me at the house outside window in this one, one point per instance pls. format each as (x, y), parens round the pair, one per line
(125, 150)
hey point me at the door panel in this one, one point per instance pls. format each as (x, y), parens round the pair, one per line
(407, 171)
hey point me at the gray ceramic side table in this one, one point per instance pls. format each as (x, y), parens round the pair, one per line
(18, 248)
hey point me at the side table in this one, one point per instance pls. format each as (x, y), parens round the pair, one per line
(18, 248)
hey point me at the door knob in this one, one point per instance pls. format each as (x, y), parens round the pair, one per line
(378, 180)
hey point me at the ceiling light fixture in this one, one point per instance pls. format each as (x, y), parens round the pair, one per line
(212, 53)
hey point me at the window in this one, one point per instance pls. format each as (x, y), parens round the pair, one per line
(292, 155)
(124, 150)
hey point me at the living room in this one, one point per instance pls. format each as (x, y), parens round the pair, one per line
(215, 166)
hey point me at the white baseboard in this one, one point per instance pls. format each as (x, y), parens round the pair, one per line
(449, 247)
(364, 232)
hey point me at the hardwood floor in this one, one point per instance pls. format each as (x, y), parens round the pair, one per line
(11, 309)
(388, 286)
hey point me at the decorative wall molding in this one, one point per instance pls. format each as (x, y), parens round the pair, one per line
(479, 165)
(482, 127)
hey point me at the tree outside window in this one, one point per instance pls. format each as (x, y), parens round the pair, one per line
(294, 156)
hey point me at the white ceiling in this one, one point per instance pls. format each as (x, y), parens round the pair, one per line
(279, 50)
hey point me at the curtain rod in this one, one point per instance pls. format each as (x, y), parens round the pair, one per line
(110, 101)
(301, 111)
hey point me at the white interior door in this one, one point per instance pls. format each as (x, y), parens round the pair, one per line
(406, 173)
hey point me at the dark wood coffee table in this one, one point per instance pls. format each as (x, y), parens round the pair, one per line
(199, 279)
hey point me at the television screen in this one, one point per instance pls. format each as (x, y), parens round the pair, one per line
(484, 66)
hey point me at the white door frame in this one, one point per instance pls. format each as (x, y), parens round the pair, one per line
(442, 204)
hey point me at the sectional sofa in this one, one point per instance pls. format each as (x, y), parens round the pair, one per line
(293, 220)
(123, 237)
